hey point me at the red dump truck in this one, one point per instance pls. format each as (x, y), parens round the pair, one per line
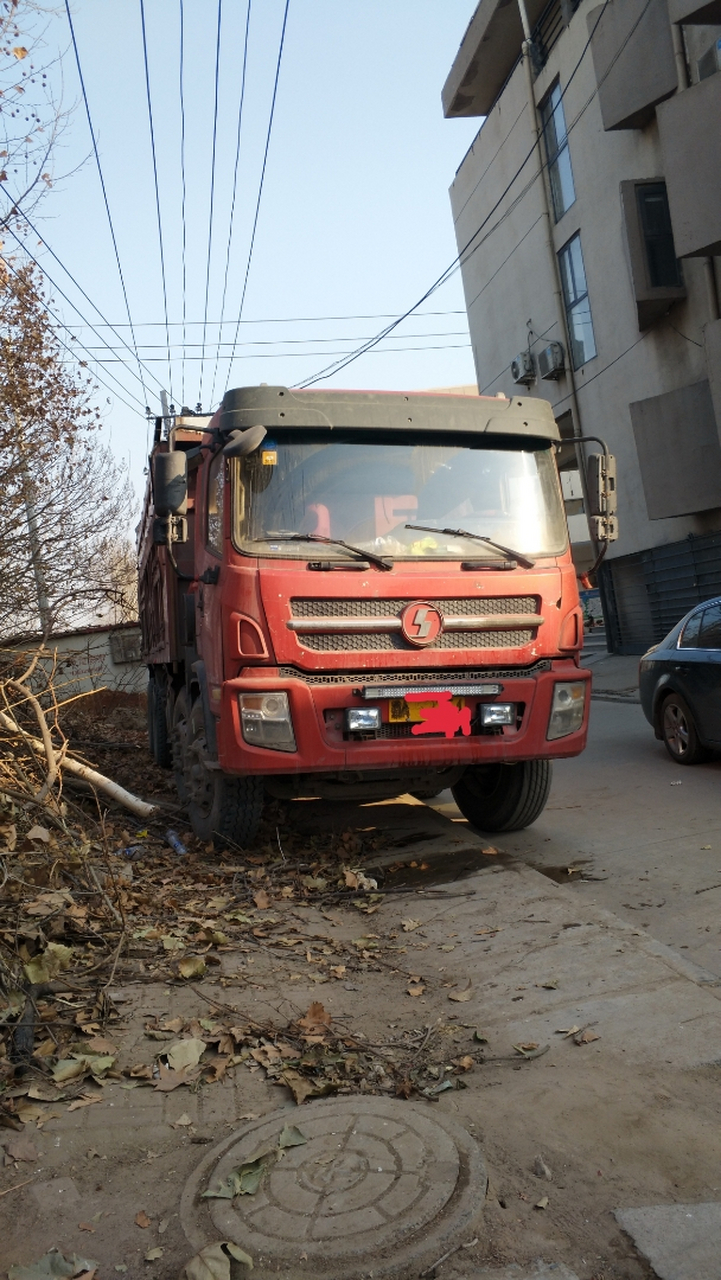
(355, 595)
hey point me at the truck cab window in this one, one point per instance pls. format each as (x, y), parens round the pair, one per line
(216, 499)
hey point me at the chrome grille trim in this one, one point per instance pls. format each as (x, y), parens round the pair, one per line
(356, 626)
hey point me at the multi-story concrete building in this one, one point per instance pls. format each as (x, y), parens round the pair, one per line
(588, 218)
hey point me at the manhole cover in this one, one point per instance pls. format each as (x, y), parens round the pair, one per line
(378, 1186)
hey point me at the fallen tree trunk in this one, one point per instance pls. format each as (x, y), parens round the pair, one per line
(139, 807)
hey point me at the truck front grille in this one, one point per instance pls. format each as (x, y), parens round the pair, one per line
(309, 616)
(385, 641)
(464, 607)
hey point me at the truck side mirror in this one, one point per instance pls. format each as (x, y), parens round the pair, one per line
(170, 483)
(241, 443)
(602, 496)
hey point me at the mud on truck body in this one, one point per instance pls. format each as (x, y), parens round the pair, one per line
(355, 595)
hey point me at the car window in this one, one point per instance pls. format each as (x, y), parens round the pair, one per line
(689, 636)
(710, 631)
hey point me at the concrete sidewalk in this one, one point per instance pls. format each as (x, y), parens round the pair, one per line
(615, 675)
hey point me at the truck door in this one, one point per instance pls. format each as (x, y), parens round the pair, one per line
(209, 631)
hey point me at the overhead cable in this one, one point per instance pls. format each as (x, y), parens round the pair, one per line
(157, 189)
(262, 179)
(102, 184)
(231, 219)
(183, 193)
(212, 189)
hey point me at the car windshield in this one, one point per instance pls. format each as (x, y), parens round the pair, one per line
(365, 487)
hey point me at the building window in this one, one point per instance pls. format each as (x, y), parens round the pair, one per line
(575, 296)
(655, 218)
(558, 156)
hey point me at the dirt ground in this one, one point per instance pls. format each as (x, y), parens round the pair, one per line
(379, 949)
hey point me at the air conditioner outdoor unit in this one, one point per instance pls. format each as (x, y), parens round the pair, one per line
(523, 369)
(551, 363)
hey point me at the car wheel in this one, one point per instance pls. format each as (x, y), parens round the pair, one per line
(499, 797)
(679, 731)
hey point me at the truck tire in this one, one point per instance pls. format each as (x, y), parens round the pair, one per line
(499, 797)
(158, 736)
(179, 743)
(220, 806)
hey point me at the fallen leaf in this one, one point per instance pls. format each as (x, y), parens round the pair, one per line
(99, 1044)
(182, 1122)
(409, 925)
(302, 1088)
(461, 996)
(491, 851)
(524, 1049)
(38, 833)
(213, 1262)
(47, 965)
(586, 1037)
(171, 943)
(317, 1018)
(243, 1181)
(88, 1100)
(22, 1149)
(416, 990)
(551, 985)
(542, 1203)
(54, 1264)
(191, 967)
(169, 1080)
(567, 1031)
(86, 1226)
(153, 1254)
(480, 1038)
(465, 1063)
(185, 1053)
(291, 1136)
(142, 1219)
(261, 900)
(338, 971)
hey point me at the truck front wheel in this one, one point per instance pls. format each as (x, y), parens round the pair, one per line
(220, 806)
(500, 797)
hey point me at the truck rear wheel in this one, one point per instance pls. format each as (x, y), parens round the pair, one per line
(220, 806)
(158, 737)
(499, 797)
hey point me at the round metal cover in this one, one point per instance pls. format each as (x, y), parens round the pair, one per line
(421, 623)
(379, 1186)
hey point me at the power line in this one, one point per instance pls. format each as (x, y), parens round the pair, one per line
(283, 342)
(88, 325)
(94, 328)
(184, 274)
(262, 177)
(157, 190)
(231, 219)
(212, 188)
(304, 355)
(73, 352)
(102, 185)
(467, 248)
(173, 324)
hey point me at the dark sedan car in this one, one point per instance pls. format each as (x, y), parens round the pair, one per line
(680, 685)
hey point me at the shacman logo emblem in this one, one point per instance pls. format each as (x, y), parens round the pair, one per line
(421, 624)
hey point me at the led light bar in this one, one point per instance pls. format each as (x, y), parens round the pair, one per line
(373, 692)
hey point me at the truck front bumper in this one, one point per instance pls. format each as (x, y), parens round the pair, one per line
(322, 745)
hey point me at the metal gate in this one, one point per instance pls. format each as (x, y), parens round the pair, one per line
(644, 595)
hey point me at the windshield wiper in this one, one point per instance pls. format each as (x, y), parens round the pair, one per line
(477, 537)
(331, 542)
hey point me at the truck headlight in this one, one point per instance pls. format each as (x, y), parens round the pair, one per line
(266, 722)
(567, 708)
(493, 713)
(362, 719)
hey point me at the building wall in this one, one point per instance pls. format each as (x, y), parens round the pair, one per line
(510, 284)
(92, 659)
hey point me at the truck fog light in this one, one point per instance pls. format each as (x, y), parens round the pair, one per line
(266, 721)
(498, 713)
(569, 701)
(363, 719)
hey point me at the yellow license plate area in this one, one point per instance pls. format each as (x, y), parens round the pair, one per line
(400, 711)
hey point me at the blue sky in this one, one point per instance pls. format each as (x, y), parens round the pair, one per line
(354, 219)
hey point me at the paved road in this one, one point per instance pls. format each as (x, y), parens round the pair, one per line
(645, 834)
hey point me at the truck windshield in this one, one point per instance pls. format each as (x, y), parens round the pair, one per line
(365, 488)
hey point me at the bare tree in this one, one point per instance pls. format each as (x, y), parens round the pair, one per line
(31, 119)
(67, 504)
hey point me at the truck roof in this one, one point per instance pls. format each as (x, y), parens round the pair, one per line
(387, 410)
